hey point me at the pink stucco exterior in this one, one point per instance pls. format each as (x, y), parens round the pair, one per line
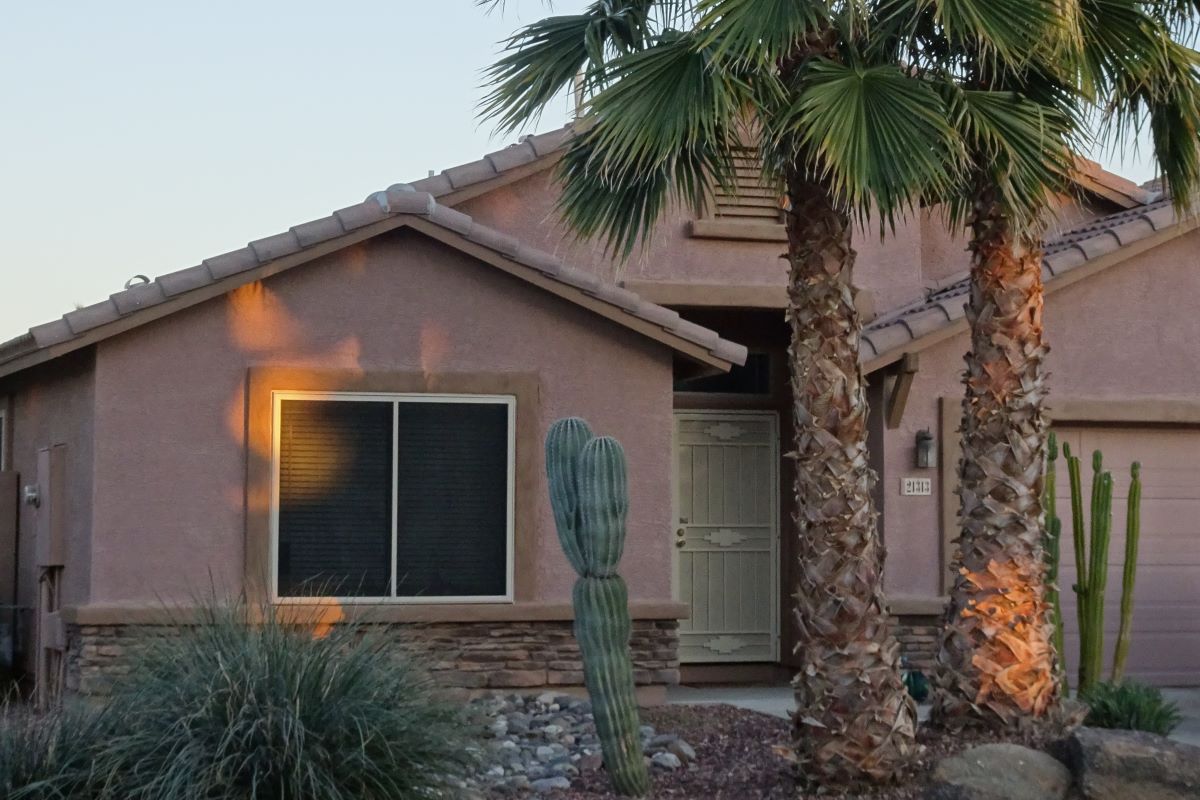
(1128, 333)
(170, 461)
(156, 419)
(55, 406)
(890, 268)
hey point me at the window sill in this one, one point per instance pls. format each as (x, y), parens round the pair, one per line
(743, 231)
(120, 614)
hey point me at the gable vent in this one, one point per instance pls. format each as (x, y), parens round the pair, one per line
(752, 201)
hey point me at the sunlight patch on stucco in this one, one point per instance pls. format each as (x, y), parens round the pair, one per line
(259, 320)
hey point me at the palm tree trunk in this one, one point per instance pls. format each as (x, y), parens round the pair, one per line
(855, 722)
(996, 662)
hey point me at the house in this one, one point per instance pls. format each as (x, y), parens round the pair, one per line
(352, 412)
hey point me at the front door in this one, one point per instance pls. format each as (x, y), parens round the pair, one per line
(727, 535)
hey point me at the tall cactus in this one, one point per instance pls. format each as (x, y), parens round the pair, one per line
(1091, 560)
(590, 498)
(1054, 548)
(1133, 529)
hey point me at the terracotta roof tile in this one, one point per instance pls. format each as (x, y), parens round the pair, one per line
(546, 143)
(1099, 245)
(494, 240)
(511, 157)
(925, 321)
(51, 333)
(954, 307)
(1066, 259)
(88, 317)
(317, 231)
(472, 172)
(436, 185)
(231, 263)
(142, 295)
(402, 198)
(361, 214)
(277, 246)
(1069, 250)
(1128, 232)
(1161, 217)
(398, 202)
(456, 221)
(184, 280)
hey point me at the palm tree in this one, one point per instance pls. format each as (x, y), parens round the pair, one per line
(675, 89)
(1102, 68)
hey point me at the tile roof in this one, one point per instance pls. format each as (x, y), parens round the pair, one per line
(500, 164)
(398, 206)
(945, 303)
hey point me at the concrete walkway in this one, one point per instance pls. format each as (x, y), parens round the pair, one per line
(777, 701)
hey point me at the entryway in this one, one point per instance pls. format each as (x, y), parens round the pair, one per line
(727, 535)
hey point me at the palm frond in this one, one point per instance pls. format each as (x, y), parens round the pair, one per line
(999, 35)
(663, 130)
(876, 135)
(544, 58)
(760, 31)
(1021, 146)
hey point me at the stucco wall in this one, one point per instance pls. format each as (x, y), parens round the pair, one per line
(52, 405)
(171, 408)
(890, 268)
(1129, 332)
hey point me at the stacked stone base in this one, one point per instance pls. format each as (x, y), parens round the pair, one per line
(466, 655)
(918, 636)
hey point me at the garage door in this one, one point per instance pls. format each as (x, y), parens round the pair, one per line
(1165, 646)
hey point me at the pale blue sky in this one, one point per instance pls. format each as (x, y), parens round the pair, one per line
(143, 137)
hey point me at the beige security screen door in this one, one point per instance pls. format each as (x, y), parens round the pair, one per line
(727, 535)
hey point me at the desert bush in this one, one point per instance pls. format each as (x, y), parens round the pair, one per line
(1130, 706)
(50, 756)
(273, 710)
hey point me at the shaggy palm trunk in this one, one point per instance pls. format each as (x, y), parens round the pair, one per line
(854, 722)
(996, 663)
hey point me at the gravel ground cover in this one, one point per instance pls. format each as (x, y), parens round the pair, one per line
(545, 747)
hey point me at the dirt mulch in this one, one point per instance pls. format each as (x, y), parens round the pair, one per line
(736, 759)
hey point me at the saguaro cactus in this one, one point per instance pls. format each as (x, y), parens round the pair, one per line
(590, 498)
(1133, 529)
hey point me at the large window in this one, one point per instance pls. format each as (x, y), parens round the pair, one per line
(393, 497)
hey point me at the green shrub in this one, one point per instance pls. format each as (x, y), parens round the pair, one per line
(50, 756)
(917, 685)
(273, 710)
(1130, 706)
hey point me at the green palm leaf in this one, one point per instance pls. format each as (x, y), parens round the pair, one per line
(876, 134)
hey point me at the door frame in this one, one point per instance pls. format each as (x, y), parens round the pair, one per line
(718, 415)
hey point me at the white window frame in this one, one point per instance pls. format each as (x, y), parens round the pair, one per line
(510, 401)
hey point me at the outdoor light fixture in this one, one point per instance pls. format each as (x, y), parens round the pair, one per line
(926, 459)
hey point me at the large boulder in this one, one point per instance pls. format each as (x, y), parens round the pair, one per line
(1000, 772)
(1120, 765)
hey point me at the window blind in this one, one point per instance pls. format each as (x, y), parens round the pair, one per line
(335, 498)
(452, 499)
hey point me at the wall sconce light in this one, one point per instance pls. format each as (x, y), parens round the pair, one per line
(926, 457)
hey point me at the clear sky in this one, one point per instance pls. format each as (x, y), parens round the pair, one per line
(143, 136)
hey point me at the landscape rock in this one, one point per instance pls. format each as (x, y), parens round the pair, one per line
(538, 744)
(1118, 765)
(550, 784)
(666, 760)
(1000, 772)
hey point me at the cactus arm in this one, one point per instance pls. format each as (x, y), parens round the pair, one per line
(1054, 548)
(1098, 572)
(1080, 542)
(564, 442)
(603, 504)
(1133, 527)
